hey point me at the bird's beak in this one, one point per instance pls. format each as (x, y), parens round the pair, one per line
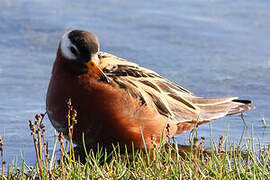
(91, 65)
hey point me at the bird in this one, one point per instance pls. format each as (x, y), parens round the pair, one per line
(121, 102)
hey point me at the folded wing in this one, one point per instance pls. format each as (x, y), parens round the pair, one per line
(167, 98)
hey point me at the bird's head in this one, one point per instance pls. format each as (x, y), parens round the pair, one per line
(82, 47)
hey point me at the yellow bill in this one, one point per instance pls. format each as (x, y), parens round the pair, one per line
(95, 69)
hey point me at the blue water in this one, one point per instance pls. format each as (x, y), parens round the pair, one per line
(213, 48)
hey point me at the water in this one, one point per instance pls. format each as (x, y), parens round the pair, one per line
(214, 48)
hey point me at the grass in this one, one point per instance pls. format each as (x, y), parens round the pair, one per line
(224, 160)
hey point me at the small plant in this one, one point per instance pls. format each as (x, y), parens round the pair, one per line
(40, 145)
(264, 122)
(71, 118)
(2, 158)
(61, 141)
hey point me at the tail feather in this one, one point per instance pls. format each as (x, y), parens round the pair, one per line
(240, 106)
(214, 108)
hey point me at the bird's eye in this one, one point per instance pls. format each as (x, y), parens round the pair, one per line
(73, 50)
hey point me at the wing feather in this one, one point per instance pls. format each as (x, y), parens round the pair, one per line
(165, 97)
(157, 92)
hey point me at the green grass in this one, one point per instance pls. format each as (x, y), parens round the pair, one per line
(224, 160)
(169, 161)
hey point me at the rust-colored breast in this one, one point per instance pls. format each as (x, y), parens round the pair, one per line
(106, 114)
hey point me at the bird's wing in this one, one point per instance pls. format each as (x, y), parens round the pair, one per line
(158, 93)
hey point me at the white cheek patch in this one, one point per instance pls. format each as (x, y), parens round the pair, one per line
(65, 45)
